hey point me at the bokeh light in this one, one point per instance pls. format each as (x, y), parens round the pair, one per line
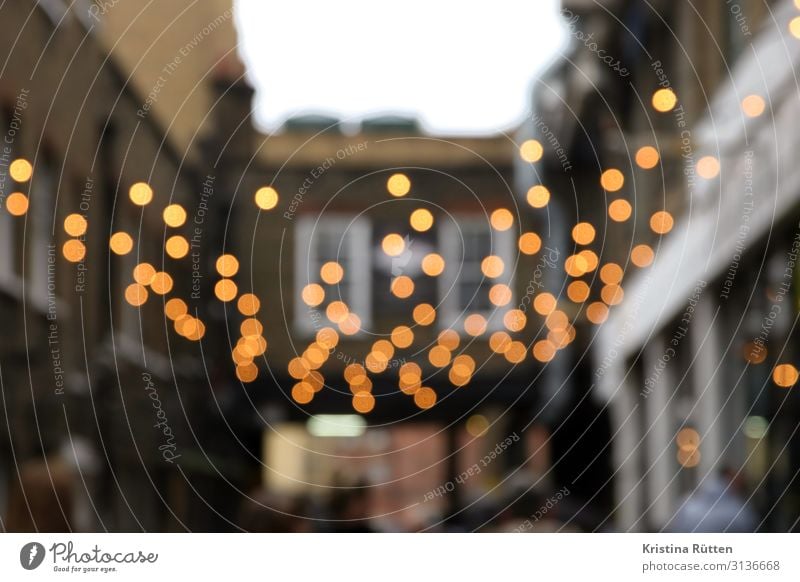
(266, 198)
(398, 185)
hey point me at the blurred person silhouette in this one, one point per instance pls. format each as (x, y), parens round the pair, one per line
(41, 498)
(350, 508)
(267, 512)
(717, 505)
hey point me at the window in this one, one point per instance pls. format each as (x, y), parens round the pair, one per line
(463, 288)
(387, 308)
(344, 239)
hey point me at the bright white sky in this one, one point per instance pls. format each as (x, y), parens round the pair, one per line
(461, 66)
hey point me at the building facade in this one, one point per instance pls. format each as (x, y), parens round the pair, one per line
(675, 364)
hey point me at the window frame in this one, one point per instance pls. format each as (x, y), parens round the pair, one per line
(452, 314)
(358, 271)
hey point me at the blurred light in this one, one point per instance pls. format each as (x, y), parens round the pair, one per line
(247, 372)
(642, 255)
(557, 321)
(353, 373)
(612, 180)
(529, 243)
(457, 379)
(500, 295)
(198, 331)
(708, 167)
(402, 336)
(661, 222)
(315, 354)
(612, 294)
(538, 196)
(544, 303)
(687, 439)
(620, 210)
(755, 427)
(501, 219)
(393, 244)
(337, 311)
(544, 350)
(20, 170)
(688, 459)
(499, 342)
(302, 393)
(492, 266)
(248, 304)
(531, 151)
(424, 314)
(313, 294)
(177, 247)
(402, 287)
(516, 352)
(425, 398)
(363, 402)
(75, 225)
(664, 100)
(583, 233)
(316, 380)
(227, 265)
(74, 250)
(463, 365)
(578, 291)
(398, 185)
(597, 312)
(576, 265)
(350, 325)
(611, 274)
(327, 337)
(17, 204)
(174, 215)
(384, 347)
(185, 325)
(266, 198)
(559, 338)
(753, 105)
(143, 273)
(375, 363)
(647, 157)
(432, 265)
(785, 375)
(421, 219)
(336, 425)
(331, 272)
(515, 320)
(591, 259)
(251, 327)
(298, 368)
(794, 26)
(754, 353)
(121, 243)
(448, 339)
(225, 290)
(475, 324)
(140, 194)
(175, 307)
(477, 425)
(439, 356)
(161, 283)
(135, 294)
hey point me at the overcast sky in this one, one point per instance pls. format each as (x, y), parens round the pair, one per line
(462, 67)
